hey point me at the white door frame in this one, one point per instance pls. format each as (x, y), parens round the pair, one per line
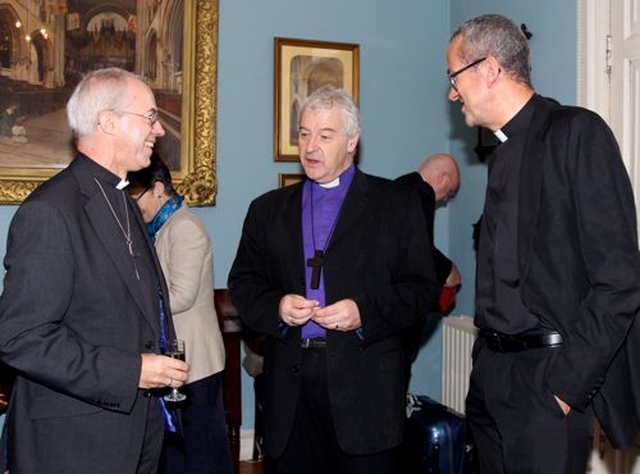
(593, 80)
(597, 54)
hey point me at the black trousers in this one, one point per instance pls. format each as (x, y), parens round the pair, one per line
(204, 446)
(152, 445)
(517, 425)
(313, 447)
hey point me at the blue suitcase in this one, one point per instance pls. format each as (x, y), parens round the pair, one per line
(437, 439)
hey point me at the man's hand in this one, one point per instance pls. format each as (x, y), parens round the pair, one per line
(161, 371)
(342, 315)
(454, 279)
(563, 405)
(4, 401)
(296, 310)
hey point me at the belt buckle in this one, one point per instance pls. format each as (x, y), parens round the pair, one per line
(495, 341)
(313, 343)
(499, 345)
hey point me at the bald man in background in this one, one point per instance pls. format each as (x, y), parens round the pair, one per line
(436, 181)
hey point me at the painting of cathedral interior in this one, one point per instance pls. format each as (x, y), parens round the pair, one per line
(47, 45)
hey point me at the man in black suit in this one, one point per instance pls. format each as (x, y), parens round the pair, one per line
(332, 270)
(80, 315)
(437, 180)
(558, 286)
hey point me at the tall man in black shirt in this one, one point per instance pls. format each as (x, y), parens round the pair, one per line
(558, 283)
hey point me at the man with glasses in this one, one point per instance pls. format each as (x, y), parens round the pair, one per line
(84, 309)
(151, 117)
(558, 277)
(453, 75)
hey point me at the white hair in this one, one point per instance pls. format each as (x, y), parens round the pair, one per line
(99, 90)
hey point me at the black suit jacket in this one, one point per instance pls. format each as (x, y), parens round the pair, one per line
(378, 256)
(73, 323)
(428, 200)
(579, 262)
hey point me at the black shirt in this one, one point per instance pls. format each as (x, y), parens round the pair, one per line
(499, 304)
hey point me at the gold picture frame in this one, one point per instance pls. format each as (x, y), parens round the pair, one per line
(196, 177)
(302, 66)
(287, 179)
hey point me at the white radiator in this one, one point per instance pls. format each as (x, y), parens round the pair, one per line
(458, 335)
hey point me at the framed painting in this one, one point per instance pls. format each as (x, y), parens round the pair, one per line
(287, 179)
(173, 47)
(301, 67)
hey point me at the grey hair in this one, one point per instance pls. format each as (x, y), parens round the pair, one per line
(497, 36)
(328, 97)
(102, 89)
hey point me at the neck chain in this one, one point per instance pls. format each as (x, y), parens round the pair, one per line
(317, 261)
(126, 234)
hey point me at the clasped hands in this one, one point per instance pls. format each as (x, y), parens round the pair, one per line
(343, 315)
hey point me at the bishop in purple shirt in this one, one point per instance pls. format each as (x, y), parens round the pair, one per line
(333, 270)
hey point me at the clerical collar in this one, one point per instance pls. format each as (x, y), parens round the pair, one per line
(122, 184)
(501, 136)
(345, 179)
(100, 172)
(519, 123)
(331, 184)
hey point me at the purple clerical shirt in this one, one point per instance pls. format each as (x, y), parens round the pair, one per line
(321, 206)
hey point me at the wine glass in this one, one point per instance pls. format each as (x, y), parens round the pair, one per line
(175, 350)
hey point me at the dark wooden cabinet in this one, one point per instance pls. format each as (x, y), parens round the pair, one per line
(231, 328)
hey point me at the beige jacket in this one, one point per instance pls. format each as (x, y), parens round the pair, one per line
(186, 257)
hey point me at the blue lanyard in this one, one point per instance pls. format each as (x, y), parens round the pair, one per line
(169, 420)
(163, 331)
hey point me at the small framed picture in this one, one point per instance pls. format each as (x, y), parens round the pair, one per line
(287, 179)
(301, 67)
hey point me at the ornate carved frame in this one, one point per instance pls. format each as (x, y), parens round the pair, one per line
(197, 178)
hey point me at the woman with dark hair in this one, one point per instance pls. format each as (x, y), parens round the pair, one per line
(184, 250)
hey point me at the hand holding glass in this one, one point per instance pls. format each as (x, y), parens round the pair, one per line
(175, 350)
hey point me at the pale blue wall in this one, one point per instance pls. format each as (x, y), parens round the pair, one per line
(402, 97)
(403, 102)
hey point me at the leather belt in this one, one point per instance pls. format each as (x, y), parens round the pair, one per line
(499, 342)
(315, 343)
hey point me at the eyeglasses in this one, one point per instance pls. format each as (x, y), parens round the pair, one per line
(150, 117)
(453, 75)
(137, 198)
